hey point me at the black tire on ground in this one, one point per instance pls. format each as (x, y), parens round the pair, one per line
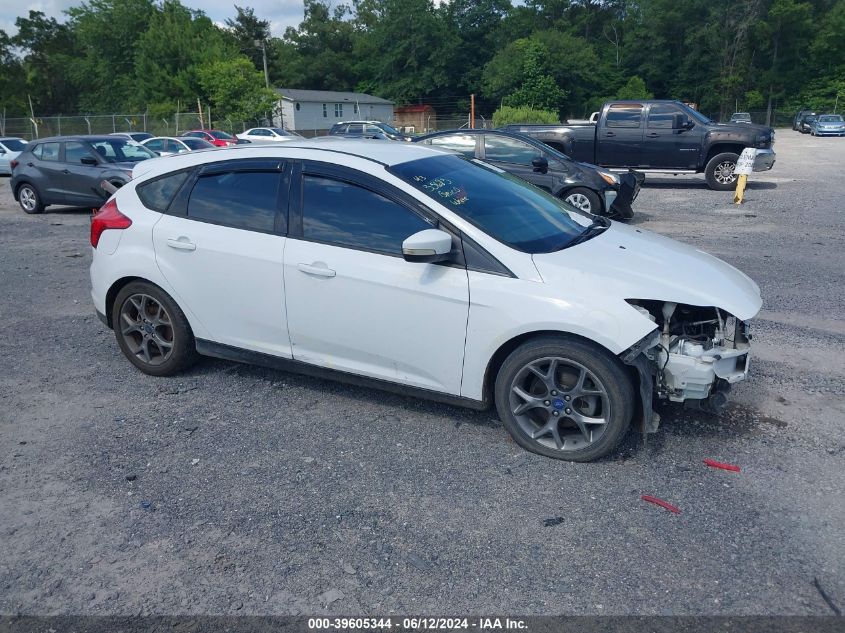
(608, 375)
(30, 199)
(584, 199)
(132, 332)
(716, 169)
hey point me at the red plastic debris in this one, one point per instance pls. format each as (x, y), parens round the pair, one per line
(714, 464)
(661, 503)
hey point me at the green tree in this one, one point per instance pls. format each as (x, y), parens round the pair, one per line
(235, 89)
(246, 29)
(634, 88)
(521, 73)
(506, 115)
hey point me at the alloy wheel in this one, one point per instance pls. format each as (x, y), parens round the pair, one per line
(28, 199)
(559, 403)
(147, 329)
(724, 172)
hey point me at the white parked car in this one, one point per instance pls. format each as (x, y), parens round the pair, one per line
(269, 135)
(10, 147)
(421, 271)
(169, 145)
(138, 137)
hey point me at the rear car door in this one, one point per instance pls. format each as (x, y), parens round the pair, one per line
(46, 170)
(619, 138)
(220, 246)
(668, 146)
(353, 303)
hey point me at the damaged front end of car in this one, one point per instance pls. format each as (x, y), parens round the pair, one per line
(693, 356)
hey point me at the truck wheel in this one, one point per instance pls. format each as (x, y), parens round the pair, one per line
(720, 171)
(584, 199)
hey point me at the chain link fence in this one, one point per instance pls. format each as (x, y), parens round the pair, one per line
(59, 125)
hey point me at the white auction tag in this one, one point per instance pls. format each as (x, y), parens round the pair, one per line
(745, 164)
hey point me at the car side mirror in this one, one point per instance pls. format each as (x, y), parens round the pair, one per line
(88, 160)
(428, 246)
(540, 164)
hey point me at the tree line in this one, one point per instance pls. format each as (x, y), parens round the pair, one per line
(561, 55)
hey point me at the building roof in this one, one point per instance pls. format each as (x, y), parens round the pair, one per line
(327, 96)
(410, 109)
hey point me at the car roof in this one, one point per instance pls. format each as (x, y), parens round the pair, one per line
(387, 153)
(75, 137)
(12, 138)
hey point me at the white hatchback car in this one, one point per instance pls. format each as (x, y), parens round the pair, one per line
(417, 270)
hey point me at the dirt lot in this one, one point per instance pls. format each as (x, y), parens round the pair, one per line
(236, 489)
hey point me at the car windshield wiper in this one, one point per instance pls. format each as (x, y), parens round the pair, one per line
(597, 226)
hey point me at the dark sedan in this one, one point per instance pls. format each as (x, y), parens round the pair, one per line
(69, 169)
(584, 186)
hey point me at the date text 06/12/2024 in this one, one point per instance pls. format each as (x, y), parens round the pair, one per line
(417, 624)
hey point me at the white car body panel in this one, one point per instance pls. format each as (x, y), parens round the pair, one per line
(232, 278)
(430, 326)
(7, 157)
(378, 316)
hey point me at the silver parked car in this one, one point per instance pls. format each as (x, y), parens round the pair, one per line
(169, 145)
(10, 147)
(828, 125)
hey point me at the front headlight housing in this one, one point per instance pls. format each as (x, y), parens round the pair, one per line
(611, 179)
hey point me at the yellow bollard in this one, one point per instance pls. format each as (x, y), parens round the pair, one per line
(740, 188)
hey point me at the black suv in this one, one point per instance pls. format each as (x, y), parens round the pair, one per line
(367, 129)
(69, 169)
(582, 185)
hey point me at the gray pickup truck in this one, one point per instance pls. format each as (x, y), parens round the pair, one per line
(659, 136)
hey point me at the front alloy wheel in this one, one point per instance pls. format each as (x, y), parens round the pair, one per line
(564, 398)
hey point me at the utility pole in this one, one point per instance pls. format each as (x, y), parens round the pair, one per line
(262, 44)
(472, 111)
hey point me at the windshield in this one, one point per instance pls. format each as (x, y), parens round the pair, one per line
(695, 114)
(503, 206)
(120, 150)
(221, 135)
(830, 118)
(282, 132)
(13, 144)
(140, 136)
(196, 143)
(388, 129)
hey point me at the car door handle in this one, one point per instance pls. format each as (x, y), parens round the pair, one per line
(30, 165)
(610, 134)
(320, 270)
(66, 171)
(652, 135)
(182, 244)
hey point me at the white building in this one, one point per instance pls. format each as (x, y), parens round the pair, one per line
(315, 111)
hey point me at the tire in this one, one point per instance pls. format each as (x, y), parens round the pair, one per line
(583, 199)
(556, 429)
(145, 317)
(30, 199)
(715, 170)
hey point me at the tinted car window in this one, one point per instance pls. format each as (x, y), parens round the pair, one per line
(221, 135)
(118, 150)
(241, 199)
(14, 145)
(76, 151)
(355, 128)
(463, 143)
(49, 151)
(344, 214)
(157, 145)
(157, 194)
(509, 150)
(624, 115)
(38, 151)
(660, 115)
(196, 143)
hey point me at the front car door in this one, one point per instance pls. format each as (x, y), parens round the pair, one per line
(666, 145)
(515, 157)
(619, 139)
(353, 303)
(220, 246)
(82, 181)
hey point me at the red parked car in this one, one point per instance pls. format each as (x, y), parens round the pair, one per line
(218, 138)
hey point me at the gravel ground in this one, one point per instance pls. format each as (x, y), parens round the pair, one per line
(239, 490)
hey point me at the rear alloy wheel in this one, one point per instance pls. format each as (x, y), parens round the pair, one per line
(152, 331)
(29, 199)
(583, 199)
(564, 398)
(719, 172)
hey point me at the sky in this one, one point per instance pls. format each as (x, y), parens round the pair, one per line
(281, 13)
